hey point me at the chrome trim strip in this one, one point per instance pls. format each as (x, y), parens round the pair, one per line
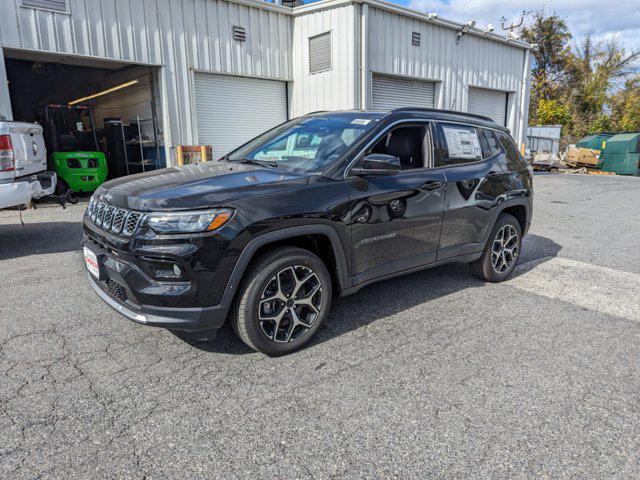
(130, 314)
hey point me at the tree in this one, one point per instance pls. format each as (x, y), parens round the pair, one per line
(625, 106)
(551, 36)
(552, 112)
(594, 71)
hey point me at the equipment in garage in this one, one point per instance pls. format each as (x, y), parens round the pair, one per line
(73, 99)
(488, 103)
(231, 110)
(72, 141)
(392, 92)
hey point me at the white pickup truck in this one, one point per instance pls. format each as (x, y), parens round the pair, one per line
(23, 164)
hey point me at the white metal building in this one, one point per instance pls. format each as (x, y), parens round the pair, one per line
(225, 70)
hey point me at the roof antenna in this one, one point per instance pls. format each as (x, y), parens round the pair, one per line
(511, 34)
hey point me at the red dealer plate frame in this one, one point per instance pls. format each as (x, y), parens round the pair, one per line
(91, 261)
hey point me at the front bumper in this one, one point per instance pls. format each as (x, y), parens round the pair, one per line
(187, 319)
(23, 190)
(125, 287)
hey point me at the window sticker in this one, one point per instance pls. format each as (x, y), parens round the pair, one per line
(462, 142)
(361, 121)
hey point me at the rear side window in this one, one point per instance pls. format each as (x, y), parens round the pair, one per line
(491, 144)
(514, 161)
(460, 144)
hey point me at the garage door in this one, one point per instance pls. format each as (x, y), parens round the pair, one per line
(488, 103)
(232, 110)
(389, 93)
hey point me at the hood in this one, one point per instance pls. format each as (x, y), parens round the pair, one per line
(195, 186)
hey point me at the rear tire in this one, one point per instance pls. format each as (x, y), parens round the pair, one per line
(283, 301)
(502, 251)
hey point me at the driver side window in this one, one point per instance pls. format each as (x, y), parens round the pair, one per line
(411, 144)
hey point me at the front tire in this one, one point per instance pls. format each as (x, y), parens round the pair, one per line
(502, 251)
(283, 301)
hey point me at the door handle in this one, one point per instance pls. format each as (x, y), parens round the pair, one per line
(493, 174)
(431, 185)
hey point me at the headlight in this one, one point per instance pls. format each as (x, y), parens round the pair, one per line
(189, 221)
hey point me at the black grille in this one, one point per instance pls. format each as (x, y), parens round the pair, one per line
(118, 220)
(108, 218)
(120, 293)
(131, 223)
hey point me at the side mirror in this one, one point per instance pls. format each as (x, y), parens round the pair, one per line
(377, 164)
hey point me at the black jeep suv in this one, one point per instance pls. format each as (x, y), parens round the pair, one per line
(317, 207)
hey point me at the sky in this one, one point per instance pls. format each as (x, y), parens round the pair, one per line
(603, 19)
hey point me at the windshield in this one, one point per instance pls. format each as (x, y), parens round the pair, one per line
(306, 144)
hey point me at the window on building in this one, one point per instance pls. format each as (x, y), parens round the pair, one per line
(53, 5)
(462, 144)
(320, 53)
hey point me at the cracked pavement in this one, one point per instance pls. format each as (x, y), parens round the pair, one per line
(433, 375)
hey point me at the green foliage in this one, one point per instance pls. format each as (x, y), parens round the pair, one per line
(552, 112)
(625, 106)
(551, 36)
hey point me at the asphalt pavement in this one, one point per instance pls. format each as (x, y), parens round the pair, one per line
(432, 375)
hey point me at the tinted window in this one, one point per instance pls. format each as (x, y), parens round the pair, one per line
(491, 145)
(462, 144)
(514, 161)
(410, 144)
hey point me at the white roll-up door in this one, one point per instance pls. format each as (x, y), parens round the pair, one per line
(488, 103)
(232, 110)
(390, 92)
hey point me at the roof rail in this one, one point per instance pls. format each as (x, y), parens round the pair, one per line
(438, 110)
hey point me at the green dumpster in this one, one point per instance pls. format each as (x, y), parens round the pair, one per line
(621, 154)
(594, 142)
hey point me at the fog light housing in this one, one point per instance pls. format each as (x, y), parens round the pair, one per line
(174, 272)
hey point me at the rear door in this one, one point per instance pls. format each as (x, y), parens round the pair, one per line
(396, 219)
(476, 184)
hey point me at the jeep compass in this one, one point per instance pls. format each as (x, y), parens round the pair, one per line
(315, 208)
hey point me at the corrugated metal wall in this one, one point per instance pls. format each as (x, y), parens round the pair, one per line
(474, 61)
(179, 34)
(187, 35)
(333, 89)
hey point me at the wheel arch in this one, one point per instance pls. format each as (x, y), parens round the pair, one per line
(519, 211)
(322, 240)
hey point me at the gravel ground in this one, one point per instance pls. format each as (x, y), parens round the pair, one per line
(431, 375)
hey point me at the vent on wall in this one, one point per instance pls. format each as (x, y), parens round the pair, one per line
(320, 53)
(415, 39)
(53, 5)
(239, 33)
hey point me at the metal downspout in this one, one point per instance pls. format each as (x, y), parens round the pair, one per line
(524, 101)
(365, 75)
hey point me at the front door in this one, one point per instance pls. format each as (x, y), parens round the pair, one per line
(396, 219)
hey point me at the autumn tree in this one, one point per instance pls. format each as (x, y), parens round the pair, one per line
(551, 56)
(595, 71)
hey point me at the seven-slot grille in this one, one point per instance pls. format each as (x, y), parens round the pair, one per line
(117, 220)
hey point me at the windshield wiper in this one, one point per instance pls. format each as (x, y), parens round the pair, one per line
(264, 163)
